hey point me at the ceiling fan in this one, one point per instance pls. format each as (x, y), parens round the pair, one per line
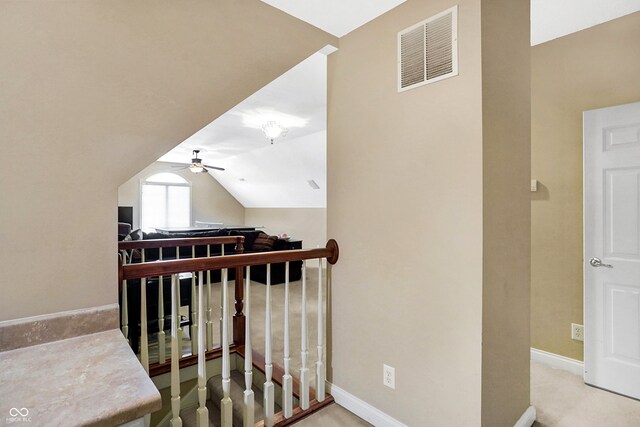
(196, 165)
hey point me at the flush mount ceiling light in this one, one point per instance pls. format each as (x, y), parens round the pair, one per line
(274, 130)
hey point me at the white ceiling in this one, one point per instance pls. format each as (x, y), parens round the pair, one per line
(551, 19)
(337, 17)
(258, 173)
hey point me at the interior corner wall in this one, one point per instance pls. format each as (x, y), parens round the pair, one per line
(91, 92)
(210, 201)
(405, 205)
(594, 68)
(506, 142)
(306, 224)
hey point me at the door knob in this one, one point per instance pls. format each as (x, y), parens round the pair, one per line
(597, 262)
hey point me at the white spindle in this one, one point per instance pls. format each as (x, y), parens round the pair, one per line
(249, 404)
(268, 388)
(162, 356)
(124, 310)
(144, 338)
(222, 301)
(202, 417)
(176, 421)
(179, 315)
(287, 380)
(193, 330)
(304, 370)
(320, 367)
(226, 406)
(209, 314)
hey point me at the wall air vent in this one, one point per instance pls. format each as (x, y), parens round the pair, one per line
(428, 51)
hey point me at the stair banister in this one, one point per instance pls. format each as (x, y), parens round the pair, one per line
(144, 338)
(124, 312)
(221, 319)
(304, 370)
(202, 411)
(226, 406)
(249, 403)
(193, 330)
(287, 380)
(209, 313)
(162, 356)
(175, 362)
(320, 367)
(268, 388)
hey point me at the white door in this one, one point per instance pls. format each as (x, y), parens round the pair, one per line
(612, 249)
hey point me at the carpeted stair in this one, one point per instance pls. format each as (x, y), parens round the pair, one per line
(214, 386)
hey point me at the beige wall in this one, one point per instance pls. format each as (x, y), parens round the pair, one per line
(506, 133)
(209, 200)
(405, 205)
(307, 224)
(594, 68)
(428, 198)
(92, 92)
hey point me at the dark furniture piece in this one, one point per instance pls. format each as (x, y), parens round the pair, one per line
(258, 273)
(125, 214)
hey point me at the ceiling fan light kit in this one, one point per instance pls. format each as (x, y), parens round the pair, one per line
(196, 165)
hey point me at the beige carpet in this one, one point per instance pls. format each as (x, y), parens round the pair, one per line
(562, 399)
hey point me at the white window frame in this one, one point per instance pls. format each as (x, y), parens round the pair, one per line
(144, 182)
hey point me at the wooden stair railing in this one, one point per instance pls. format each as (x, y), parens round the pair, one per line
(309, 400)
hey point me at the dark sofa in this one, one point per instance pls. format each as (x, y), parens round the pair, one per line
(258, 273)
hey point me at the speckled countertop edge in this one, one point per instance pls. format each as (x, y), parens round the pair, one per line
(92, 379)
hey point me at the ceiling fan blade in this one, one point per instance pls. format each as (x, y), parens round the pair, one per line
(213, 167)
(180, 167)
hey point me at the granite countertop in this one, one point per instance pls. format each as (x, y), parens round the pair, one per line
(91, 379)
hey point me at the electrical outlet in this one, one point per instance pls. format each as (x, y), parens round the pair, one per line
(577, 332)
(389, 376)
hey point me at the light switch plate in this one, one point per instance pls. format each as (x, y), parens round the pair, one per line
(534, 185)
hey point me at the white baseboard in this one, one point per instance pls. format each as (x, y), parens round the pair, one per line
(557, 361)
(527, 419)
(361, 408)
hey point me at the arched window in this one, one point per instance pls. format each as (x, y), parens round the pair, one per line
(165, 201)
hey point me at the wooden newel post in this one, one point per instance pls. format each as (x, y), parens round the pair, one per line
(238, 317)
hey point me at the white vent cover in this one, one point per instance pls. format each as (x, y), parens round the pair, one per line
(428, 51)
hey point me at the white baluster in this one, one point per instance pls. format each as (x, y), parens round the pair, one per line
(287, 380)
(304, 370)
(268, 367)
(320, 367)
(222, 302)
(249, 404)
(124, 310)
(226, 406)
(176, 421)
(144, 338)
(162, 356)
(180, 332)
(209, 314)
(193, 330)
(202, 417)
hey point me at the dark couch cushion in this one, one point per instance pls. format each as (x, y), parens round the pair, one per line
(264, 242)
